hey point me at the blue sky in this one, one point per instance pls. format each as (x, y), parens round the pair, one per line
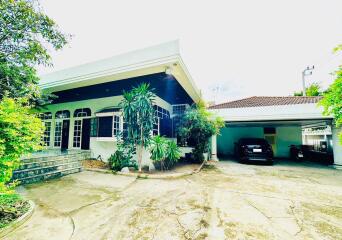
(233, 49)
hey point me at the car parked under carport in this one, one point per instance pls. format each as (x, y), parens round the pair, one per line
(279, 120)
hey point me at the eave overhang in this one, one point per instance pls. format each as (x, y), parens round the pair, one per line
(137, 63)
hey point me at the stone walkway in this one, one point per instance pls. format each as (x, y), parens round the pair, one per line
(231, 201)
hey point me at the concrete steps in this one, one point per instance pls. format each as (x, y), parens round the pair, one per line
(37, 169)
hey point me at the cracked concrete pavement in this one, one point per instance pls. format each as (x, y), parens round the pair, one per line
(229, 201)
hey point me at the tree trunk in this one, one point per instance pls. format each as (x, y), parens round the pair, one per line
(140, 149)
(140, 157)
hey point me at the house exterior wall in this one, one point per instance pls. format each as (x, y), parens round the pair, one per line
(103, 147)
(285, 136)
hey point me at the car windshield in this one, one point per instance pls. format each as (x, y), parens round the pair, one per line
(253, 141)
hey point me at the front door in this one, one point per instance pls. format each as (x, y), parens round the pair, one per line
(65, 134)
(85, 142)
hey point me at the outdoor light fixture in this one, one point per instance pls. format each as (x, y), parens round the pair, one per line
(168, 70)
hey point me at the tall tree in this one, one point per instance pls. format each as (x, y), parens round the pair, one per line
(138, 113)
(25, 35)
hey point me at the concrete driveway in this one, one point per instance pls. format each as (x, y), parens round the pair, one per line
(231, 201)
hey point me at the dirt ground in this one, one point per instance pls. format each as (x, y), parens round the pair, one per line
(229, 201)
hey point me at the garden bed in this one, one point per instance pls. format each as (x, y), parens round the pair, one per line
(12, 207)
(97, 164)
(180, 170)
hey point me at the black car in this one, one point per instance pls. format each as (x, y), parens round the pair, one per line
(254, 149)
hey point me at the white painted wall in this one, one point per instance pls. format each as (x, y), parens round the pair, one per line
(337, 147)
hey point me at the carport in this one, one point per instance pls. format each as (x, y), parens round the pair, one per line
(280, 120)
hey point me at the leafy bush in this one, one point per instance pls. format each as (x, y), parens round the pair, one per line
(173, 154)
(197, 126)
(164, 153)
(121, 158)
(20, 133)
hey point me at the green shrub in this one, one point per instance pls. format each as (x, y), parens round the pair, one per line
(20, 133)
(164, 153)
(197, 126)
(173, 154)
(121, 158)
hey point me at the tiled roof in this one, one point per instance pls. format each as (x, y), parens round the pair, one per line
(266, 101)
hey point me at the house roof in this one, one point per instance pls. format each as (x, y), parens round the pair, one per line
(142, 62)
(263, 101)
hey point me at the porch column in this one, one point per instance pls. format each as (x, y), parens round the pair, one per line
(214, 148)
(337, 147)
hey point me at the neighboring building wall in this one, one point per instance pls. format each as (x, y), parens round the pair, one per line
(337, 146)
(285, 136)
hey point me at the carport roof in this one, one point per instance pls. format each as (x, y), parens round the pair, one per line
(266, 101)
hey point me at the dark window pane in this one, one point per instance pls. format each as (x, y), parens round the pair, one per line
(105, 126)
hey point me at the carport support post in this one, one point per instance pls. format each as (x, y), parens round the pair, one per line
(337, 147)
(214, 148)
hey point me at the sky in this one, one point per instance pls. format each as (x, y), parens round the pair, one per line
(233, 49)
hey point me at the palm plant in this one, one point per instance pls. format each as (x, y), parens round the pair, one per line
(173, 153)
(138, 113)
(158, 151)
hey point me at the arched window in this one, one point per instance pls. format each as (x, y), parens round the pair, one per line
(82, 112)
(63, 114)
(45, 116)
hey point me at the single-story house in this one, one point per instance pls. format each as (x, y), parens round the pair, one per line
(280, 120)
(86, 113)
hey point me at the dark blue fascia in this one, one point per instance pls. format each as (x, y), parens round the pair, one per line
(165, 86)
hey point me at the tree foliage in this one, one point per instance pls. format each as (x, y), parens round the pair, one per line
(25, 34)
(138, 113)
(20, 133)
(198, 125)
(332, 100)
(312, 90)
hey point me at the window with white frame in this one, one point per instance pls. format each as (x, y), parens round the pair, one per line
(45, 116)
(116, 126)
(179, 109)
(58, 134)
(160, 113)
(77, 133)
(62, 114)
(82, 112)
(47, 133)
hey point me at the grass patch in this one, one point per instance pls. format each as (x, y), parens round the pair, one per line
(12, 206)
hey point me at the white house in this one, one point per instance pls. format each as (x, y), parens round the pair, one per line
(86, 114)
(279, 120)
